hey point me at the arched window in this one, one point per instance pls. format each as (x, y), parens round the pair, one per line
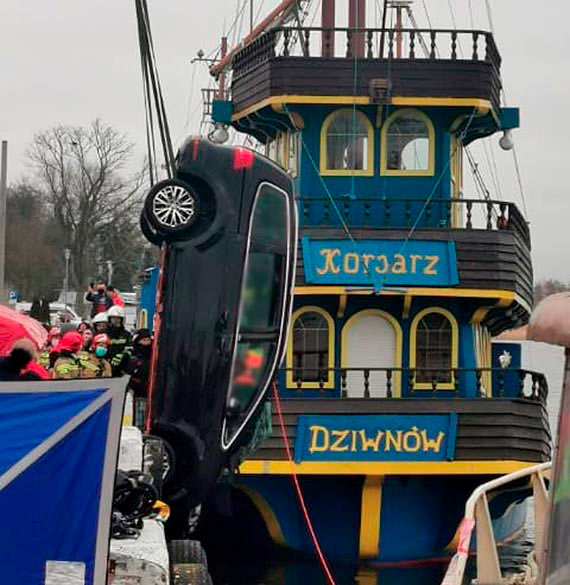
(407, 144)
(347, 144)
(434, 348)
(310, 355)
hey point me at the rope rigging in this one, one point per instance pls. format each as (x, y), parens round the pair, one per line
(153, 96)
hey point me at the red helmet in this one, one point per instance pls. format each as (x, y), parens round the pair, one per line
(101, 339)
(71, 341)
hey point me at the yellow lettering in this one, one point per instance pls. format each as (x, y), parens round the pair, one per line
(340, 437)
(355, 258)
(373, 444)
(399, 266)
(353, 445)
(413, 260)
(430, 268)
(366, 259)
(384, 262)
(412, 441)
(323, 445)
(432, 444)
(393, 441)
(329, 266)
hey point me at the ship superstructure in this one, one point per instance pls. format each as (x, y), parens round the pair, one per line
(395, 400)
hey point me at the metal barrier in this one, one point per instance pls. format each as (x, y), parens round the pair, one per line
(477, 516)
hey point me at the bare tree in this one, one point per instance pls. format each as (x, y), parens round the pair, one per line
(80, 171)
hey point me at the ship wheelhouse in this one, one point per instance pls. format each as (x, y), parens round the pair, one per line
(402, 280)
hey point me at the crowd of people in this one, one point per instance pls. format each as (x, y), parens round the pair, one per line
(100, 347)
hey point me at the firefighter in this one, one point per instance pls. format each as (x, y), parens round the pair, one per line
(100, 323)
(68, 365)
(47, 356)
(120, 349)
(93, 362)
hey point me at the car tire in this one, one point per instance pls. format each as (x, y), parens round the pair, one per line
(171, 207)
(148, 232)
(190, 575)
(187, 552)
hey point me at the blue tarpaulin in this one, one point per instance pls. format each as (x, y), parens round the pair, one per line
(58, 453)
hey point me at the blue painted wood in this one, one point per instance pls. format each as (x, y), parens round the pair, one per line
(411, 438)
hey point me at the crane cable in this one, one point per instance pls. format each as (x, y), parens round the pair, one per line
(295, 479)
(153, 93)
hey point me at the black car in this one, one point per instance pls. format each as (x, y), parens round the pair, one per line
(228, 228)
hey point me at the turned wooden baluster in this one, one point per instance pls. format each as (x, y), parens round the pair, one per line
(432, 47)
(502, 222)
(286, 35)
(349, 43)
(390, 44)
(387, 211)
(369, 53)
(299, 385)
(412, 44)
(346, 210)
(428, 213)
(475, 43)
(326, 212)
(366, 383)
(478, 376)
(448, 213)
(306, 42)
(328, 43)
(454, 45)
(522, 377)
(305, 212)
(343, 389)
(456, 379)
(489, 215)
(389, 383)
(366, 213)
(408, 208)
(469, 225)
(501, 384)
(434, 383)
(411, 376)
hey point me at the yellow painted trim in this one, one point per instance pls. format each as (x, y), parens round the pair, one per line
(266, 512)
(323, 169)
(416, 292)
(482, 312)
(266, 467)
(289, 359)
(384, 171)
(397, 380)
(454, 345)
(483, 106)
(370, 511)
(279, 101)
(342, 300)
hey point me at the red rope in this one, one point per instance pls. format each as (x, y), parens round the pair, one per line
(321, 557)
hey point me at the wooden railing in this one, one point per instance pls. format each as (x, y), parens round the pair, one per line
(370, 43)
(517, 383)
(404, 213)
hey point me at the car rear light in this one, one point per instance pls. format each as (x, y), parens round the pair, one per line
(243, 159)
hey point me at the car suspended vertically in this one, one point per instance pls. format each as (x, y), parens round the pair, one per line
(227, 224)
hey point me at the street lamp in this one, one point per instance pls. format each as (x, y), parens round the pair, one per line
(67, 256)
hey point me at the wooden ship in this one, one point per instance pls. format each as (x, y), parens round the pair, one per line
(396, 403)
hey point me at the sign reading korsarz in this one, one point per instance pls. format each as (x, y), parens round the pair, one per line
(376, 437)
(390, 262)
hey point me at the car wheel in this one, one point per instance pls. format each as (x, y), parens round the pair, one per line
(171, 207)
(187, 552)
(148, 232)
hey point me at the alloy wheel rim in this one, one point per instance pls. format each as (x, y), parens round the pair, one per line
(173, 206)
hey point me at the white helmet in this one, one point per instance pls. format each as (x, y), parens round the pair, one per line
(116, 311)
(100, 318)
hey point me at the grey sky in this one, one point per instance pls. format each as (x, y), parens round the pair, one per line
(70, 61)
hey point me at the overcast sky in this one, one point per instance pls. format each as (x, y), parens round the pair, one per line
(70, 61)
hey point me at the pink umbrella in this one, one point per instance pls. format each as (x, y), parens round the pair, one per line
(15, 326)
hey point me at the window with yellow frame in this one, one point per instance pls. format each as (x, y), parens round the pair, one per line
(407, 144)
(347, 144)
(310, 349)
(434, 349)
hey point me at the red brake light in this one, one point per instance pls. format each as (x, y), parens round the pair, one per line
(243, 159)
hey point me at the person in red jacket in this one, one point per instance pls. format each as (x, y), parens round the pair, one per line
(115, 296)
